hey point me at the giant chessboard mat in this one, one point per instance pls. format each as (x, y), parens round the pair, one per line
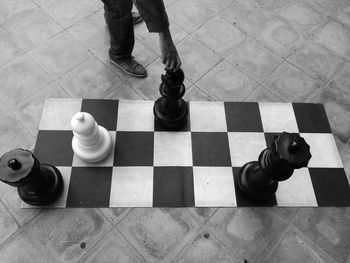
(196, 166)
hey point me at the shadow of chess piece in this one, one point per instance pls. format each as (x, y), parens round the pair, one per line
(171, 110)
(259, 179)
(37, 184)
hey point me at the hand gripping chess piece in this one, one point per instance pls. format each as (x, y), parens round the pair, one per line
(171, 110)
(37, 184)
(91, 142)
(259, 180)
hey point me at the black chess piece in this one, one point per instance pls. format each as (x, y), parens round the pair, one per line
(259, 179)
(171, 110)
(37, 184)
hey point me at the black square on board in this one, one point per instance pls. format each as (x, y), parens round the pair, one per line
(311, 118)
(134, 149)
(243, 117)
(173, 187)
(54, 147)
(105, 112)
(243, 200)
(331, 186)
(210, 149)
(89, 187)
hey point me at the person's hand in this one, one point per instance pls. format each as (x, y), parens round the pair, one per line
(170, 57)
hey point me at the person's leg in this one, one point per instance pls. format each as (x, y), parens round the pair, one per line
(121, 31)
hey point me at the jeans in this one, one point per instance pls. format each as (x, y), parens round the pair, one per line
(119, 21)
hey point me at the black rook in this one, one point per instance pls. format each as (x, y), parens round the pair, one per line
(259, 179)
(37, 184)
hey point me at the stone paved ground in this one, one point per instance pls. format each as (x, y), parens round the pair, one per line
(240, 50)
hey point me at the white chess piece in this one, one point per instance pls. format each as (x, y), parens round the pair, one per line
(91, 142)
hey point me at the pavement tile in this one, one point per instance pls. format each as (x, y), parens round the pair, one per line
(9, 9)
(328, 229)
(11, 199)
(226, 82)
(124, 92)
(92, 31)
(302, 17)
(262, 94)
(115, 214)
(294, 249)
(90, 79)
(343, 14)
(255, 59)
(69, 12)
(21, 78)
(8, 49)
(280, 36)
(216, 5)
(61, 232)
(13, 134)
(32, 29)
(194, 93)
(247, 15)
(159, 234)
(239, 228)
(326, 6)
(8, 225)
(336, 96)
(316, 60)
(113, 248)
(219, 35)
(29, 111)
(21, 249)
(335, 37)
(189, 14)
(3, 109)
(196, 58)
(151, 40)
(206, 248)
(60, 54)
(275, 5)
(286, 213)
(292, 84)
(143, 54)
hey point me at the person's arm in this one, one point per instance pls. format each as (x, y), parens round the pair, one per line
(170, 57)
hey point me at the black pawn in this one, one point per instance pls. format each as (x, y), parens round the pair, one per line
(171, 110)
(37, 184)
(259, 179)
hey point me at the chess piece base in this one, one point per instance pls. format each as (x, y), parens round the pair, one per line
(250, 188)
(96, 152)
(171, 119)
(52, 192)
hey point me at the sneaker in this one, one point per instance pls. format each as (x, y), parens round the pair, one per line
(136, 18)
(130, 66)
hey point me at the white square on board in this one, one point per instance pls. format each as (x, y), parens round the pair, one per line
(278, 117)
(245, 147)
(207, 116)
(106, 162)
(132, 187)
(135, 115)
(214, 186)
(172, 149)
(323, 149)
(297, 190)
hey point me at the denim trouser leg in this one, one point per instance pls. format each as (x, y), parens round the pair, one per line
(121, 31)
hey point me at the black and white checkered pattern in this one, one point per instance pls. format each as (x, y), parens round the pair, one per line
(197, 166)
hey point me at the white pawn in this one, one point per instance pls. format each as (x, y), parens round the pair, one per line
(91, 142)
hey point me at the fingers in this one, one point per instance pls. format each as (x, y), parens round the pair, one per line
(173, 62)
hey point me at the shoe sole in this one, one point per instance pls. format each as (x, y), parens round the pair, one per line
(127, 72)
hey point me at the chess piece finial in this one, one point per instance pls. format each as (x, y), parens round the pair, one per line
(91, 142)
(37, 184)
(259, 179)
(171, 110)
